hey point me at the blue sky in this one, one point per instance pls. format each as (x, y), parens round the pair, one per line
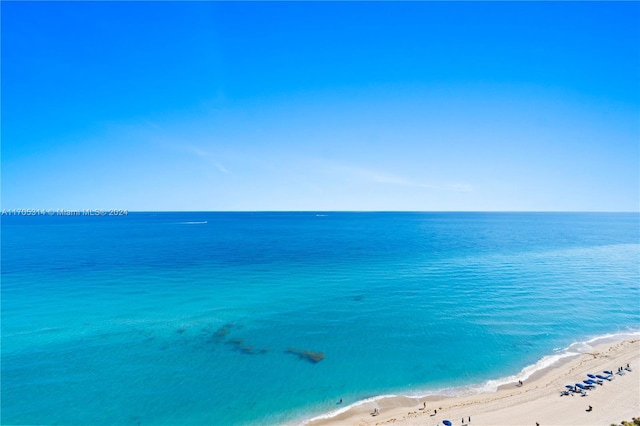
(321, 106)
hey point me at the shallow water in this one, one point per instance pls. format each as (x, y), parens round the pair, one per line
(167, 318)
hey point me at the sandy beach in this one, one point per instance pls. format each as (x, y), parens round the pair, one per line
(537, 401)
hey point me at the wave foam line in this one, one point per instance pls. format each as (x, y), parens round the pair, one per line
(573, 350)
(346, 408)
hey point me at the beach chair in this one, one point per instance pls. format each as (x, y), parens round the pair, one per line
(595, 379)
(607, 378)
(583, 389)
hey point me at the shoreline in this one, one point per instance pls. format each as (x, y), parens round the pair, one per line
(497, 401)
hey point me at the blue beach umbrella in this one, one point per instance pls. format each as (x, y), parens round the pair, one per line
(608, 372)
(591, 375)
(568, 387)
(580, 386)
(446, 423)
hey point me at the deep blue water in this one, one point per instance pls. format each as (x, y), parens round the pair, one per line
(186, 318)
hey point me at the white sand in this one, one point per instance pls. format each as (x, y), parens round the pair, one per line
(538, 400)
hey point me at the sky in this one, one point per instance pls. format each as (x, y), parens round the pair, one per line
(365, 106)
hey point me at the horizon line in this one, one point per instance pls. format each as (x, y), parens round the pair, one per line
(13, 211)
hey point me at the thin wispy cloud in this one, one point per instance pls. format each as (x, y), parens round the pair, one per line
(397, 126)
(205, 156)
(375, 176)
(163, 140)
(459, 187)
(197, 152)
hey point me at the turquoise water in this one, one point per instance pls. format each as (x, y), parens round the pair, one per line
(186, 318)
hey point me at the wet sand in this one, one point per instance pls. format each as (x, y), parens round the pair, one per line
(538, 400)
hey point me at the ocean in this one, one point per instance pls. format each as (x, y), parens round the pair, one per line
(197, 318)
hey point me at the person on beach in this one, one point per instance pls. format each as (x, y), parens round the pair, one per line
(590, 409)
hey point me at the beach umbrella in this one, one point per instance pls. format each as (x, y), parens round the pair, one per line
(446, 423)
(580, 386)
(608, 372)
(591, 375)
(569, 387)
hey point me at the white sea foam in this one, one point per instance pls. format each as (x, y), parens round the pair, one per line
(193, 223)
(373, 401)
(614, 337)
(573, 350)
(528, 371)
